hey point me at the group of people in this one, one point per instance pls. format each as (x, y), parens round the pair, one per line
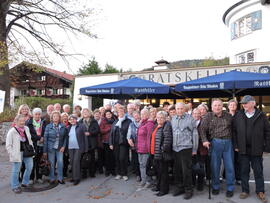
(173, 142)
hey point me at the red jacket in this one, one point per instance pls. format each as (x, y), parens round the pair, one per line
(105, 130)
(144, 136)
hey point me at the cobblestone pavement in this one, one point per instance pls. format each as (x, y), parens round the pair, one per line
(106, 189)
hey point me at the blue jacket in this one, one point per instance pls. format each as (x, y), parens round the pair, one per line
(50, 137)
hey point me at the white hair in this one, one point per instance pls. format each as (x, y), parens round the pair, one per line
(37, 110)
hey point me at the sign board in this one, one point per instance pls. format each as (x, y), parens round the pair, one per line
(2, 100)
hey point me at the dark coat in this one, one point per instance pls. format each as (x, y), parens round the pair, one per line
(163, 141)
(260, 140)
(81, 138)
(119, 135)
(105, 130)
(94, 131)
(33, 132)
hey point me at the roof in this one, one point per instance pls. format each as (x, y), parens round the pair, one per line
(51, 71)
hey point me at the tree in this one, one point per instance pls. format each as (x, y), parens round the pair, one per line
(91, 68)
(110, 69)
(31, 25)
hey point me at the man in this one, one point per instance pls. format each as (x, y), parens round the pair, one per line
(252, 138)
(218, 124)
(130, 109)
(57, 107)
(66, 108)
(189, 108)
(185, 144)
(166, 106)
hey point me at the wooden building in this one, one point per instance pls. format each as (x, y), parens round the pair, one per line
(29, 79)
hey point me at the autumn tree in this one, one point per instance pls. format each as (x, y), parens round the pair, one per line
(28, 26)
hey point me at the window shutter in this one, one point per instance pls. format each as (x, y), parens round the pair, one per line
(233, 34)
(256, 20)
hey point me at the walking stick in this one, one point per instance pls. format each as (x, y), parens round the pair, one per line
(209, 183)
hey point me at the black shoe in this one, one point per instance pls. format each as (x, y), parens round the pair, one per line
(229, 194)
(61, 182)
(188, 195)
(52, 182)
(178, 192)
(215, 192)
(71, 180)
(159, 194)
(107, 174)
(238, 182)
(26, 186)
(76, 182)
(92, 175)
(113, 173)
(200, 187)
(100, 171)
(155, 189)
(84, 176)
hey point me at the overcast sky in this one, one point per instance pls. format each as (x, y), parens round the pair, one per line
(133, 34)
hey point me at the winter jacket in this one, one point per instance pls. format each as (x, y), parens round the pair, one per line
(163, 141)
(118, 136)
(50, 137)
(260, 140)
(13, 144)
(144, 136)
(81, 138)
(105, 129)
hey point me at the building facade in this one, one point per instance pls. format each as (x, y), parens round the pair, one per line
(248, 22)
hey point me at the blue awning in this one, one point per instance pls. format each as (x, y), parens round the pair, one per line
(226, 81)
(133, 86)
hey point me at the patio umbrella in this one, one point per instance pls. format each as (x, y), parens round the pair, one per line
(226, 84)
(130, 88)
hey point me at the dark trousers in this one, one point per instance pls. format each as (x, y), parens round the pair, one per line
(183, 170)
(100, 158)
(237, 166)
(65, 164)
(198, 178)
(75, 158)
(109, 160)
(35, 171)
(135, 162)
(162, 169)
(121, 159)
(256, 162)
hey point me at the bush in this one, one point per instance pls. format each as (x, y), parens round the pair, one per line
(7, 115)
(40, 102)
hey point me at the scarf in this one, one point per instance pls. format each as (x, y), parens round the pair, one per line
(37, 126)
(21, 133)
(119, 122)
(109, 121)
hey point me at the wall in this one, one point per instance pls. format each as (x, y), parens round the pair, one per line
(4, 128)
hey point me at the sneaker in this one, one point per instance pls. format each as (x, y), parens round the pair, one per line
(125, 178)
(262, 197)
(178, 192)
(17, 190)
(118, 177)
(31, 182)
(147, 185)
(243, 195)
(188, 195)
(141, 184)
(40, 181)
(229, 194)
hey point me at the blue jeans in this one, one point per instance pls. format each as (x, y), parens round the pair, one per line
(16, 167)
(59, 156)
(222, 149)
(256, 163)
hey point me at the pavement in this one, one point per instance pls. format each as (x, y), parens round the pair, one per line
(108, 190)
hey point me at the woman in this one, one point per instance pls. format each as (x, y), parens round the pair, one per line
(143, 145)
(25, 111)
(161, 148)
(203, 108)
(17, 139)
(153, 114)
(232, 107)
(37, 127)
(77, 145)
(105, 129)
(64, 120)
(118, 143)
(132, 139)
(55, 141)
(92, 131)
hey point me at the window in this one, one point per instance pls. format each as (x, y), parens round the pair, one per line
(23, 92)
(39, 92)
(43, 78)
(247, 57)
(246, 25)
(55, 91)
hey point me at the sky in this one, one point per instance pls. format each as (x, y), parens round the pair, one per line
(133, 34)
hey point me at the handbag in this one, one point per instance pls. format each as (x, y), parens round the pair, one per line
(150, 168)
(44, 167)
(29, 150)
(85, 161)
